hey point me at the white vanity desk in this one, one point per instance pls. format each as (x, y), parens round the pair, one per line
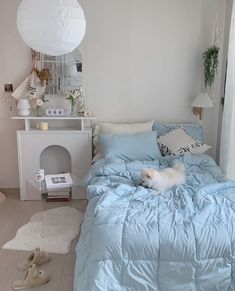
(72, 134)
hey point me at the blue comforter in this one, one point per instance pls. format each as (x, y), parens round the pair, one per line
(134, 240)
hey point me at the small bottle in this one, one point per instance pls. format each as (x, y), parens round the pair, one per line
(80, 103)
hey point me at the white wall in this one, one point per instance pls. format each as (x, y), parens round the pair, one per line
(142, 61)
(212, 10)
(15, 64)
(142, 58)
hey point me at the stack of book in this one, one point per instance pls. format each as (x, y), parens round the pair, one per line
(58, 187)
(58, 195)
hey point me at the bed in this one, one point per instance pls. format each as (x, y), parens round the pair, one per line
(134, 240)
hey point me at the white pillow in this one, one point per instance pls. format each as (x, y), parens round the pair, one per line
(179, 142)
(117, 128)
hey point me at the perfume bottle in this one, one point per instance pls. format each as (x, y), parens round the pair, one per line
(80, 103)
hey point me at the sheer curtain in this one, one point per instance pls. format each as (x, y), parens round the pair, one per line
(227, 151)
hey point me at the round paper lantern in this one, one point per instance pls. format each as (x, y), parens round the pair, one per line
(52, 27)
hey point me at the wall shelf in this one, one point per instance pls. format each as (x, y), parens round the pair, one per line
(53, 117)
(73, 122)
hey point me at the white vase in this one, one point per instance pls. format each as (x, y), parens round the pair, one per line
(23, 107)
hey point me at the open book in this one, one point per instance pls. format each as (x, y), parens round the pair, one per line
(58, 181)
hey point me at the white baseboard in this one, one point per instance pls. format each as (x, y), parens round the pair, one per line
(10, 191)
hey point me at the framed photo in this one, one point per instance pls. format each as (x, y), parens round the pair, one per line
(79, 67)
(58, 181)
(8, 88)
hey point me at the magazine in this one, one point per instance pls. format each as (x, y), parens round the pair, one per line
(58, 181)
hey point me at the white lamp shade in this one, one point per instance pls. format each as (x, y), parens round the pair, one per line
(202, 100)
(52, 27)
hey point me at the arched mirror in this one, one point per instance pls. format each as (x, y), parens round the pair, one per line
(65, 71)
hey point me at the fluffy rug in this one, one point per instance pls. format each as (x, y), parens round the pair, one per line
(2, 197)
(51, 230)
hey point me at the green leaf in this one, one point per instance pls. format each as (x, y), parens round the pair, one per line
(210, 58)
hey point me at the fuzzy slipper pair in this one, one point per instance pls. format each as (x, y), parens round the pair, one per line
(33, 277)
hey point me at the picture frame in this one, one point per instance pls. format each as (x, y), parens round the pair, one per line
(8, 88)
(58, 181)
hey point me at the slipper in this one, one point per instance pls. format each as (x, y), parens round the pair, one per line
(37, 257)
(33, 278)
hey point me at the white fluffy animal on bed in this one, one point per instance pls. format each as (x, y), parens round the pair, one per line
(162, 180)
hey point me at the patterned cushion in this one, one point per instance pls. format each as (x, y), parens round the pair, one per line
(179, 142)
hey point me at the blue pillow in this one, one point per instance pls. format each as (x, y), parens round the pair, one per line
(130, 147)
(195, 130)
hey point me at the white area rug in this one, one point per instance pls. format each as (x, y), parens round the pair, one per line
(51, 230)
(2, 197)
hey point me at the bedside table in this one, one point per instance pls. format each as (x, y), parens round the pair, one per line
(35, 189)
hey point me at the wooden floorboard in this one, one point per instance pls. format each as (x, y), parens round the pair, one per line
(13, 214)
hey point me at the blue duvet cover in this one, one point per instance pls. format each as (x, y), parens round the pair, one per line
(134, 240)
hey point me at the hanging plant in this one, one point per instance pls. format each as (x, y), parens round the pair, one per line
(210, 58)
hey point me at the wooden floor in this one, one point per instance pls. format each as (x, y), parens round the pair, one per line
(13, 214)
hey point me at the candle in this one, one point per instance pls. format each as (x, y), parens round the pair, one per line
(44, 125)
